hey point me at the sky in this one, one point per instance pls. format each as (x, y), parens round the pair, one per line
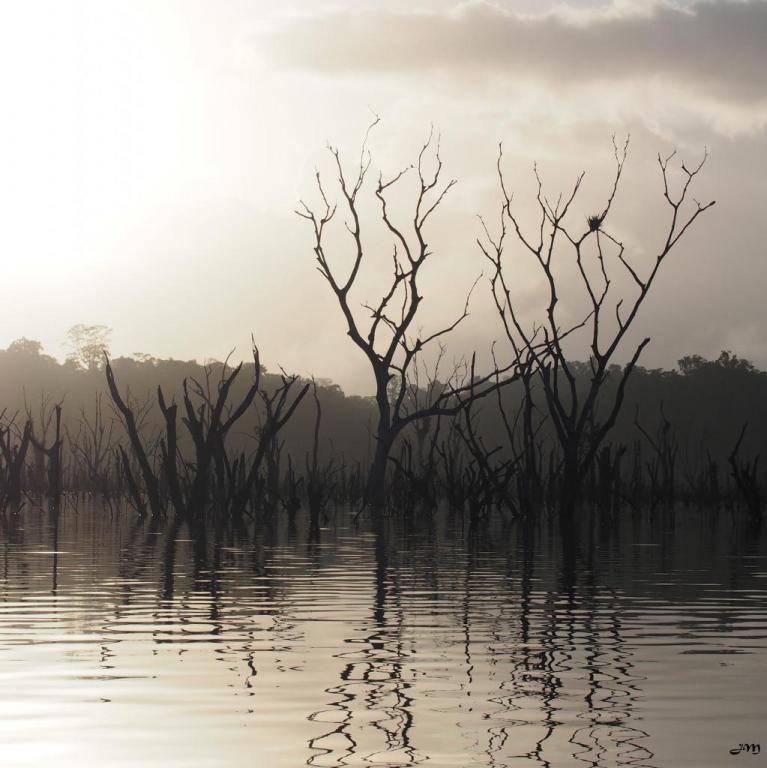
(152, 154)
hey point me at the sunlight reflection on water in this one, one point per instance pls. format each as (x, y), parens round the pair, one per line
(127, 643)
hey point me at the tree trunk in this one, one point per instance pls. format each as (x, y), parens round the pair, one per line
(375, 493)
(570, 488)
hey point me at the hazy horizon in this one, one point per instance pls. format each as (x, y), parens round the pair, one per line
(156, 154)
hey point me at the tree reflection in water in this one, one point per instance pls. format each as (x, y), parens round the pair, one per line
(373, 691)
(385, 648)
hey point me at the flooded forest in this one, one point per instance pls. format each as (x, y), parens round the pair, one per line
(539, 553)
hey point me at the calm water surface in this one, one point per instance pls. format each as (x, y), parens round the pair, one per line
(124, 643)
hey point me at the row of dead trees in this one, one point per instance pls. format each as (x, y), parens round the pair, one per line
(192, 468)
(658, 470)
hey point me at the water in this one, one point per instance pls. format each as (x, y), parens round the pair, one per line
(128, 644)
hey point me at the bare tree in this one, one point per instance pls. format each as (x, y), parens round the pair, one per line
(744, 473)
(599, 257)
(387, 340)
(92, 445)
(139, 450)
(320, 477)
(53, 453)
(12, 461)
(213, 475)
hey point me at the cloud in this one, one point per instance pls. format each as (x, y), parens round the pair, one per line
(717, 47)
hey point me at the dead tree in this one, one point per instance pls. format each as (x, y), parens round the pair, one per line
(212, 475)
(53, 454)
(744, 473)
(13, 455)
(43, 420)
(607, 484)
(320, 478)
(489, 479)
(387, 340)
(92, 445)
(452, 454)
(209, 423)
(522, 433)
(279, 407)
(572, 402)
(149, 477)
(419, 474)
(416, 465)
(661, 469)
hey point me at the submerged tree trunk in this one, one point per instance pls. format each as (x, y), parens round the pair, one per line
(570, 487)
(375, 493)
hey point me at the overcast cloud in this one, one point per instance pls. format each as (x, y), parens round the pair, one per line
(716, 47)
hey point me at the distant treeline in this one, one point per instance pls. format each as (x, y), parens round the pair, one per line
(673, 440)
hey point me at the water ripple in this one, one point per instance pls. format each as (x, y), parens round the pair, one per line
(125, 643)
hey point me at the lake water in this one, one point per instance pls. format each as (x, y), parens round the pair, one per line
(126, 644)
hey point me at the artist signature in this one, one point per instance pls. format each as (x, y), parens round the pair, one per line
(753, 749)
